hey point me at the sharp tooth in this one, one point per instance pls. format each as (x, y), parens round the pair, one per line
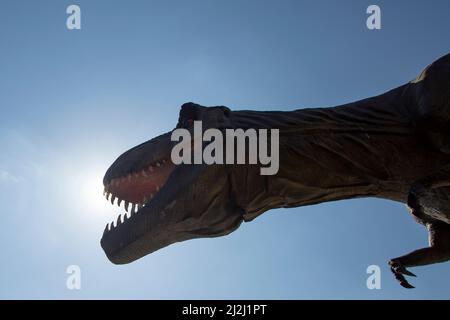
(111, 226)
(158, 164)
(119, 201)
(150, 169)
(127, 204)
(112, 199)
(157, 188)
(107, 196)
(144, 174)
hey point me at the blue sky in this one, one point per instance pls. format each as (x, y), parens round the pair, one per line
(72, 101)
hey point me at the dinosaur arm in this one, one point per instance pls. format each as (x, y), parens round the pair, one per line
(437, 252)
(427, 199)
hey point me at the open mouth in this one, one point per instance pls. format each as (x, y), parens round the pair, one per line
(136, 190)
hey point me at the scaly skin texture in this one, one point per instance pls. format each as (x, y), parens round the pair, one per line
(394, 146)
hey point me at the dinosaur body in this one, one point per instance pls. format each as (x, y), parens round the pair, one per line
(366, 148)
(394, 146)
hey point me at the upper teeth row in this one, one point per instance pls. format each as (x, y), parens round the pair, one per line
(143, 173)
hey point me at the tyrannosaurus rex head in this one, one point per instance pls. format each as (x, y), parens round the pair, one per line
(168, 203)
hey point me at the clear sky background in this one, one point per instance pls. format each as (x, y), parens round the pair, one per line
(72, 101)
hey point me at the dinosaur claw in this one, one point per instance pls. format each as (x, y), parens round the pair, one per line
(405, 284)
(403, 270)
(408, 273)
(399, 271)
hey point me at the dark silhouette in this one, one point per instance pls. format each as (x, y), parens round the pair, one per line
(394, 146)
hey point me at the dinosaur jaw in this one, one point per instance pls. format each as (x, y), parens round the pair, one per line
(132, 182)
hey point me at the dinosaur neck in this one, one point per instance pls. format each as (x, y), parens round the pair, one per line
(328, 154)
(386, 113)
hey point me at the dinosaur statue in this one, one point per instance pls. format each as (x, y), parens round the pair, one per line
(394, 146)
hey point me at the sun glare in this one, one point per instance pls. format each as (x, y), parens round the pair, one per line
(92, 191)
(92, 199)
